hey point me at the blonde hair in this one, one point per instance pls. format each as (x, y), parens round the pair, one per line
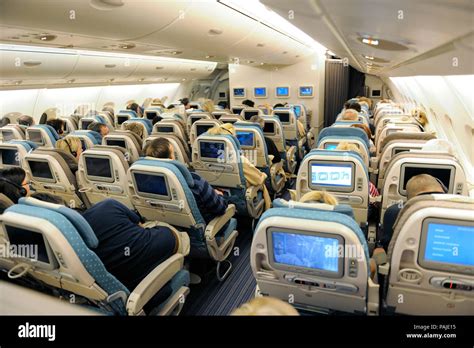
(265, 306)
(345, 146)
(364, 127)
(222, 129)
(69, 144)
(208, 106)
(366, 100)
(422, 183)
(320, 197)
(420, 116)
(350, 115)
(134, 127)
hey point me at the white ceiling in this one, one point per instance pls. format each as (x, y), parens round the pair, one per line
(438, 34)
(175, 28)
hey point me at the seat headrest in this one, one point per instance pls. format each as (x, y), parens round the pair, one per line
(7, 201)
(340, 208)
(81, 225)
(28, 145)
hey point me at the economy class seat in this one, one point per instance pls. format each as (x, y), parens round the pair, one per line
(12, 132)
(42, 135)
(254, 148)
(342, 173)
(216, 158)
(49, 172)
(102, 174)
(171, 127)
(290, 129)
(12, 153)
(317, 258)
(247, 113)
(160, 190)
(273, 129)
(405, 165)
(68, 264)
(200, 127)
(181, 151)
(431, 258)
(127, 140)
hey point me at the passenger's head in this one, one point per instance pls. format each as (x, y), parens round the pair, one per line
(70, 144)
(265, 306)
(135, 127)
(420, 116)
(13, 183)
(258, 120)
(345, 146)
(185, 102)
(160, 148)
(346, 105)
(135, 107)
(422, 184)
(208, 106)
(278, 105)
(48, 197)
(319, 197)
(223, 104)
(98, 127)
(222, 129)
(249, 103)
(57, 124)
(26, 121)
(363, 127)
(156, 119)
(355, 106)
(366, 100)
(350, 115)
(109, 109)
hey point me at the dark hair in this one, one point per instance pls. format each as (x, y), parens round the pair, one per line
(11, 185)
(4, 121)
(48, 197)
(44, 118)
(355, 106)
(158, 148)
(184, 101)
(96, 126)
(248, 102)
(57, 124)
(222, 104)
(278, 105)
(26, 120)
(156, 119)
(346, 105)
(171, 106)
(134, 107)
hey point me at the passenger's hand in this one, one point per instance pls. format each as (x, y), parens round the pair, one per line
(219, 192)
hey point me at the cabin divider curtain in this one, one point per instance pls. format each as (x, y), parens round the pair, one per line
(336, 89)
(356, 83)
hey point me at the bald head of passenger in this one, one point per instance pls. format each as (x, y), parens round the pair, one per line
(423, 183)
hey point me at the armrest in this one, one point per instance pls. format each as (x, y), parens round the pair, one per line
(153, 282)
(184, 245)
(293, 195)
(372, 298)
(252, 192)
(377, 199)
(215, 225)
(276, 167)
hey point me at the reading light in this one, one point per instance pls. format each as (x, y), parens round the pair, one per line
(372, 42)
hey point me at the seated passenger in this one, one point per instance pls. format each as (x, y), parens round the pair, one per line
(366, 129)
(319, 197)
(58, 125)
(249, 103)
(265, 306)
(109, 109)
(26, 121)
(345, 146)
(208, 106)
(185, 102)
(350, 115)
(271, 147)
(210, 201)
(128, 250)
(421, 184)
(156, 119)
(135, 107)
(100, 128)
(422, 119)
(280, 105)
(73, 146)
(135, 127)
(14, 183)
(355, 106)
(253, 176)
